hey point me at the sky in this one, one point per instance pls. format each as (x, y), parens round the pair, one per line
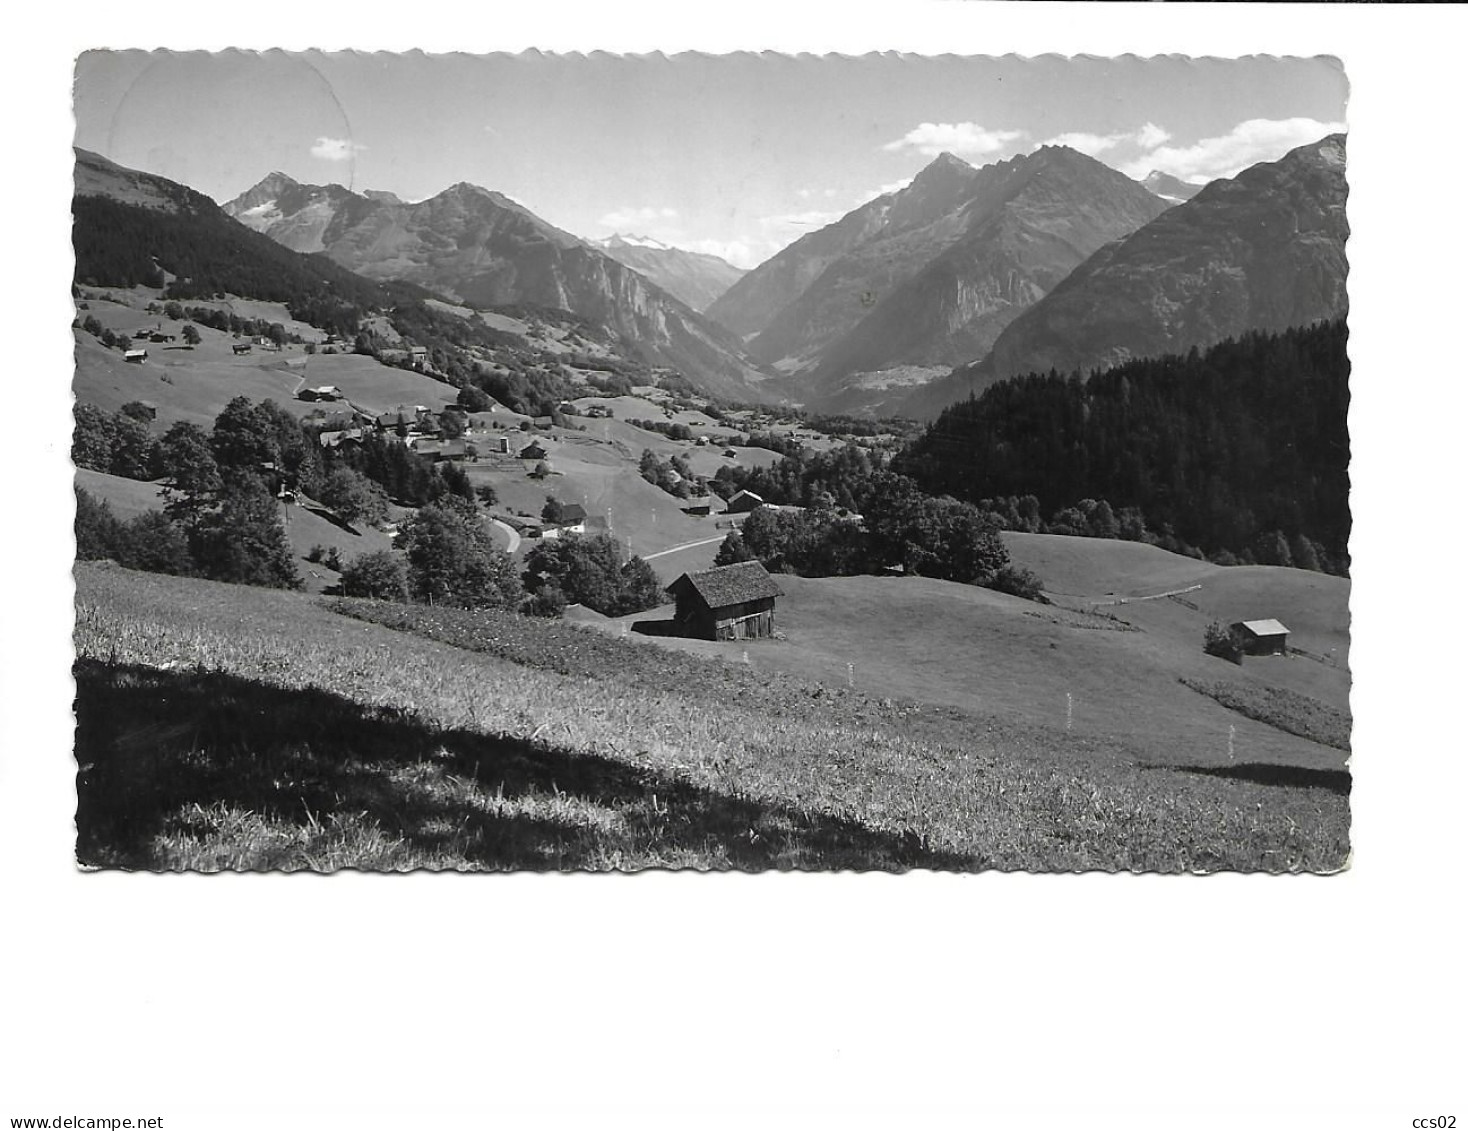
(737, 155)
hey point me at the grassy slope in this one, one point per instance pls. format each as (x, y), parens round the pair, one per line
(200, 381)
(1116, 673)
(304, 527)
(227, 727)
(1314, 606)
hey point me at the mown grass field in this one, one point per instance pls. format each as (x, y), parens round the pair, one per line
(222, 727)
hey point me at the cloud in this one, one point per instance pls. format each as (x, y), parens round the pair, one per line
(740, 252)
(1248, 143)
(623, 218)
(336, 149)
(882, 190)
(959, 138)
(1149, 136)
(810, 193)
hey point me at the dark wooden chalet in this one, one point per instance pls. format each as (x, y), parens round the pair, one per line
(733, 602)
(743, 502)
(1262, 637)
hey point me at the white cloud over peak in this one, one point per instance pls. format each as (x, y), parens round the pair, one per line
(1151, 136)
(623, 218)
(1248, 143)
(1148, 136)
(882, 190)
(336, 149)
(962, 139)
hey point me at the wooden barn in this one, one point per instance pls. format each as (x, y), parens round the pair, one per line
(733, 602)
(1262, 637)
(743, 502)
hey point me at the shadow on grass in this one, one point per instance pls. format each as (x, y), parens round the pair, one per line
(332, 517)
(162, 755)
(1262, 773)
(657, 628)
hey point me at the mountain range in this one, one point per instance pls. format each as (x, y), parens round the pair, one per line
(1264, 250)
(929, 275)
(481, 248)
(1046, 260)
(693, 276)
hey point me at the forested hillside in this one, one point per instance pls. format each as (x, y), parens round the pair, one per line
(1226, 449)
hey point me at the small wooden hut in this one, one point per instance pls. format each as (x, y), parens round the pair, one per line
(733, 602)
(1262, 637)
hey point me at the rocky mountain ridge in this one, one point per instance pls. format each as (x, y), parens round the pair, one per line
(481, 248)
(696, 278)
(929, 275)
(1264, 250)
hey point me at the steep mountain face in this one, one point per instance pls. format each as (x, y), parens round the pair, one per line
(693, 277)
(1026, 224)
(897, 236)
(483, 249)
(302, 217)
(1170, 188)
(927, 277)
(1264, 250)
(752, 303)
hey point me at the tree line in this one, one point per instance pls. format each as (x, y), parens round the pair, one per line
(1239, 452)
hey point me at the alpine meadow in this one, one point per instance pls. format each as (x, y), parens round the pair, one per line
(716, 462)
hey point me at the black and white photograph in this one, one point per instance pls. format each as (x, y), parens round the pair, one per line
(712, 462)
(787, 565)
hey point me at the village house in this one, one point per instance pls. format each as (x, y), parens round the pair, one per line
(418, 357)
(533, 450)
(335, 438)
(418, 420)
(572, 521)
(733, 602)
(321, 393)
(696, 507)
(743, 502)
(1262, 637)
(137, 357)
(241, 347)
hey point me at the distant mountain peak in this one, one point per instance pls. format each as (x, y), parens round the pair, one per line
(946, 160)
(1170, 188)
(943, 167)
(618, 239)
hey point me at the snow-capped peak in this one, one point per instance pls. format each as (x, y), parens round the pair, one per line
(617, 239)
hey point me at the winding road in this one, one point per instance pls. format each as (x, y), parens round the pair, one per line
(510, 532)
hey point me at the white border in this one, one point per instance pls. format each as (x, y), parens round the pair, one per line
(669, 1001)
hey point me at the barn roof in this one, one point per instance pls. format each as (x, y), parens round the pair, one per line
(730, 584)
(1269, 627)
(572, 514)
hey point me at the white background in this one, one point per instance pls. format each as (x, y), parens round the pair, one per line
(685, 1000)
